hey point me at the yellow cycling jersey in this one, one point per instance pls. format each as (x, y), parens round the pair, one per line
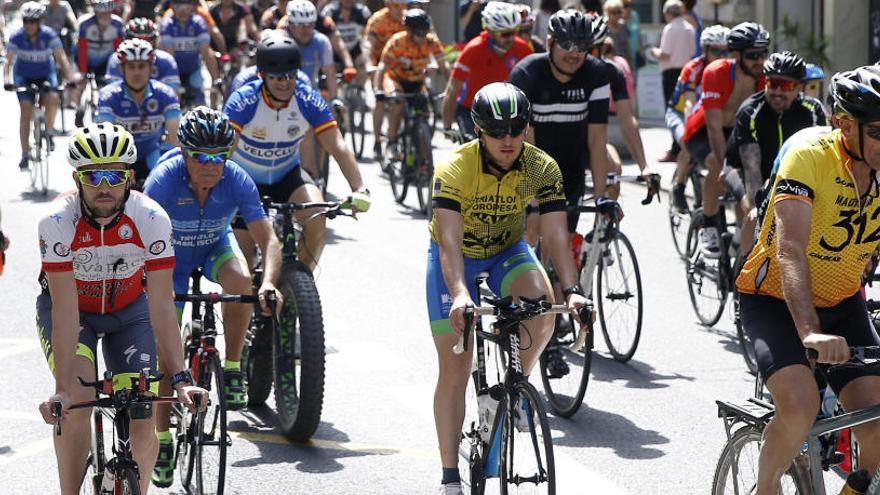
(844, 231)
(492, 208)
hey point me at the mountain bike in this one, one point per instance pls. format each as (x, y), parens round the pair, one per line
(41, 142)
(290, 353)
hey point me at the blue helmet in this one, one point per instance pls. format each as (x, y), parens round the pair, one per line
(203, 128)
(814, 72)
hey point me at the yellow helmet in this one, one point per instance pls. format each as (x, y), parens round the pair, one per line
(97, 144)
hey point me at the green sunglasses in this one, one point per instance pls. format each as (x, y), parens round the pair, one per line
(93, 178)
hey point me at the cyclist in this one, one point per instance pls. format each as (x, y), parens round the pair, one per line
(303, 10)
(405, 59)
(500, 173)
(147, 108)
(201, 190)
(200, 8)
(251, 73)
(314, 47)
(100, 33)
(186, 36)
(98, 246)
(230, 15)
(270, 153)
(383, 24)
(147, 9)
(527, 27)
(164, 65)
(713, 45)
(487, 58)
(800, 285)
(765, 120)
(60, 17)
(350, 17)
(31, 55)
(725, 85)
(813, 81)
(272, 15)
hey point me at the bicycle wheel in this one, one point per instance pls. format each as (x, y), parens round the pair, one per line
(745, 343)
(425, 166)
(127, 482)
(619, 301)
(565, 372)
(36, 151)
(706, 287)
(93, 472)
(737, 469)
(471, 448)
(299, 376)
(356, 116)
(398, 170)
(527, 464)
(202, 438)
(42, 164)
(679, 222)
(257, 356)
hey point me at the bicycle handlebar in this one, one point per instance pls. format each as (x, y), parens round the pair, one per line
(857, 354)
(334, 208)
(215, 297)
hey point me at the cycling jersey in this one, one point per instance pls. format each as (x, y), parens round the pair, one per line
(268, 137)
(617, 83)
(33, 57)
(799, 136)
(844, 230)
(199, 11)
(479, 64)
(688, 80)
(380, 28)
(108, 262)
(249, 74)
(145, 121)
(314, 55)
(96, 44)
(493, 209)
(164, 70)
(56, 17)
(405, 60)
(719, 79)
(229, 29)
(757, 123)
(562, 112)
(185, 41)
(351, 29)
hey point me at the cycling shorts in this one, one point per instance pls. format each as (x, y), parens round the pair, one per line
(225, 249)
(769, 324)
(52, 79)
(129, 344)
(675, 124)
(391, 85)
(144, 164)
(280, 191)
(699, 146)
(503, 269)
(573, 216)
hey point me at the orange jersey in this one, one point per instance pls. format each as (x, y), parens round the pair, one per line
(407, 60)
(380, 28)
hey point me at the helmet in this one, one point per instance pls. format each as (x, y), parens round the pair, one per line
(142, 28)
(714, 36)
(501, 108)
(599, 29)
(785, 64)
(99, 144)
(419, 21)
(204, 128)
(814, 72)
(747, 35)
(135, 49)
(103, 6)
(857, 92)
(569, 25)
(33, 10)
(277, 54)
(501, 16)
(301, 12)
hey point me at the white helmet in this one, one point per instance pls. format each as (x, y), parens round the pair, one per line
(714, 36)
(101, 143)
(301, 12)
(33, 10)
(103, 6)
(135, 49)
(501, 16)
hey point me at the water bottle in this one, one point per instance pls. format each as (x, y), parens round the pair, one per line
(856, 483)
(829, 403)
(108, 484)
(487, 406)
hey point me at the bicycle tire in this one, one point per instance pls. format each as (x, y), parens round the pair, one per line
(793, 482)
(745, 343)
(679, 223)
(212, 431)
(356, 118)
(35, 152)
(621, 292)
(699, 270)
(299, 390)
(513, 470)
(398, 171)
(425, 168)
(565, 398)
(92, 478)
(43, 162)
(257, 357)
(127, 482)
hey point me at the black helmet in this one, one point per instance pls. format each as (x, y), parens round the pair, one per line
(747, 35)
(500, 109)
(417, 20)
(570, 25)
(203, 128)
(785, 64)
(600, 29)
(857, 92)
(277, 54)
(143, 28)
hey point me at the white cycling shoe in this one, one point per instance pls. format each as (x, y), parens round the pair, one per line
(450, 489)
(710, 242)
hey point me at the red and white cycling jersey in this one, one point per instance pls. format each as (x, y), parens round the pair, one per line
(108, 262)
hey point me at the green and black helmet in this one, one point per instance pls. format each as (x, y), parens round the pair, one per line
(500, 109)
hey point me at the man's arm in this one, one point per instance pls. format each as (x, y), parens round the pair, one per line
(332, 87)
(61, 60)
(554, 235)
(65, 327)
(218, 39)
(453, 89)
(171, 127)
(340, 50)
(7, 68)
(750, 154)
(163, 317)
(715, 132)
(450, 235)
(629, 126)
(210, 61)
(380, 74)
(597, 138)
(333, 142)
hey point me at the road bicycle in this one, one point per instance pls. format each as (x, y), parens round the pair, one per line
(680, 221)
(41, 142)
(86, 108)
(744, 422)
(501, 443)
(291, 354)
(118, 475)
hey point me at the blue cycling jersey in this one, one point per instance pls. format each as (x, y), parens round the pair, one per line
(98, 42)
(196, 228)
(185, 40)
(315, 54)
(33, 57)
(164, 70)
(268, 137)
(250, 74)
(145, 121)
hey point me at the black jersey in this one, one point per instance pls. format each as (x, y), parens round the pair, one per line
(617, 81)
(351, 30)
(144, 8)
(757, 123)
(561, 112)
(229, 29)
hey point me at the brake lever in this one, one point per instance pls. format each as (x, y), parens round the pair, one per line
(653, 189)
(463, 340)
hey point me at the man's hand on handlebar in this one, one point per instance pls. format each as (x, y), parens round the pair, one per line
(46, 408)
(832, 349)
(264, 305)
(192, 397)
(456, 313)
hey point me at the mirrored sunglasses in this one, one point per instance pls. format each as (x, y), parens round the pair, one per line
(781, 84)
(574, 46)
(204, 158)
(282, 76)
(93, 178)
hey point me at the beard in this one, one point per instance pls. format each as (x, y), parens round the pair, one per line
(105, 210)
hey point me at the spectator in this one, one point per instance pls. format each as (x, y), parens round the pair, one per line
(545, 9)
(617, 30)
(633, 24)
(471, 12)
(694, 20)
(676, 48)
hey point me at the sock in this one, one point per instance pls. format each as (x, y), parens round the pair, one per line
(450, 475)
(164, 436)
(232, 365)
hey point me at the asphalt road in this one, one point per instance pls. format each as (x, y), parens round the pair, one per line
(648, 426)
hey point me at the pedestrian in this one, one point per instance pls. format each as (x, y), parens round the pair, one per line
(633, 24)
(676, 48)
(617, 29)
(691, 16)
(546, 8)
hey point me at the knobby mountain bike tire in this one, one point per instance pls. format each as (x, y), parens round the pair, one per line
(705, 278)
(527, 463)
(424, 166)
(619, 293)
(299, 355)
(737, 468)
(257, 359)
(566, 393)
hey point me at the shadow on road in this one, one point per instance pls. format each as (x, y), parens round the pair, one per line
(728, 340)
(38, 197)
(635, 373)
(595, 428)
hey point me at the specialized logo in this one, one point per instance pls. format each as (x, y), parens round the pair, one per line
(125, 232)
(157, 248)
(129, 353)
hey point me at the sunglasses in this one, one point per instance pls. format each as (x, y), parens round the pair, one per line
(574, 46)
(30, 21)
(282, 76)
(303, 25)
(759, 55)
(204, 158)
(93, 178)
(505, 34)
(781, 84)
(717, 52)
(501, 132)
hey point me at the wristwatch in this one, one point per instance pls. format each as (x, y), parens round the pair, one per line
(182, 376)
(574, 289)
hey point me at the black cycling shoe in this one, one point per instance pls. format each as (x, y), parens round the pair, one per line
(679, 201)
(23, 164)
(555, 363)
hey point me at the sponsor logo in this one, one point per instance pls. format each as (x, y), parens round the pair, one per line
(437, 186)
(711, 95)
(846, 202)
(578, 94)
(825, 257)
(157, 248)
(270, 153)
(43, 246)
(184, 201)
(152, 105)
(838, 180)
(56, 217)
(83, 256)
(131, 351)
(87, 238)
(787, 186)
(61, 249)
(293, 130)
(125, 232)
(258, 132)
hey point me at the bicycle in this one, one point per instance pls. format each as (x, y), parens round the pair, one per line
(337, 108)
(88, 100)
(804, 476)
(497, 445)
(118, 475)
(41, 142)
(679, 221)
(292, 352)
(354, 96)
